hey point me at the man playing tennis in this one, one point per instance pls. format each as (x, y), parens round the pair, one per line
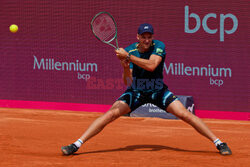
(143, 64)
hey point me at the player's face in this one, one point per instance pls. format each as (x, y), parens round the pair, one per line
(145, 40)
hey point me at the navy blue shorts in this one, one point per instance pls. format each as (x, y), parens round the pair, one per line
(135, 98)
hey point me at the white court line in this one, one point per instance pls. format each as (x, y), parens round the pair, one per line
(227, 122)
(219, 130)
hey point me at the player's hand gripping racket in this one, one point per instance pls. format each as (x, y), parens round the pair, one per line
(104, 28)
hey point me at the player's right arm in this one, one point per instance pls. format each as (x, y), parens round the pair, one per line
(127, 73)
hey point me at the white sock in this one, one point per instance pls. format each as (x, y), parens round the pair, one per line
(217, 142)
(78, 143)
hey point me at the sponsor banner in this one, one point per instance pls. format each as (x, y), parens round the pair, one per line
(151, 110)
(54, 57)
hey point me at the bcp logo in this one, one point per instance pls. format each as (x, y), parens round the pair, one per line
(205, 26)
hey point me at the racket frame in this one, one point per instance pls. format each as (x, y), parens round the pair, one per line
(115, 36)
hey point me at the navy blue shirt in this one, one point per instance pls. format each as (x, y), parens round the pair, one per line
(142, 79)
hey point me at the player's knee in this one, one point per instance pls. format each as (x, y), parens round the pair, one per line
(186, 116)
(112, 115)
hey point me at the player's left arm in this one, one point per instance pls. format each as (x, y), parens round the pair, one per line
(150, 65)
(147, 64)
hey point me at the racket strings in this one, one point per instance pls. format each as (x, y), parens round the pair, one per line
(104, 27)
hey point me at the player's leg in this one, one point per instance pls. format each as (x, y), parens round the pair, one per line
(118, 109)
(177, 108)
(167, 101)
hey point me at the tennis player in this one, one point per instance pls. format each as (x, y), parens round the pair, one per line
(143, 64)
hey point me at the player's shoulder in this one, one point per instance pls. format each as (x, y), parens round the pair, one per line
(159, 48)
(132, 47)
(158, 43)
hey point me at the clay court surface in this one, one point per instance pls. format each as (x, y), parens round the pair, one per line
(34, 138)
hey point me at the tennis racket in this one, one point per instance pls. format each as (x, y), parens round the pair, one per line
(104, 28)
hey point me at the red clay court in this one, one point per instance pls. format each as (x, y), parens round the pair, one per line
(56, 78)
(34, 137)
